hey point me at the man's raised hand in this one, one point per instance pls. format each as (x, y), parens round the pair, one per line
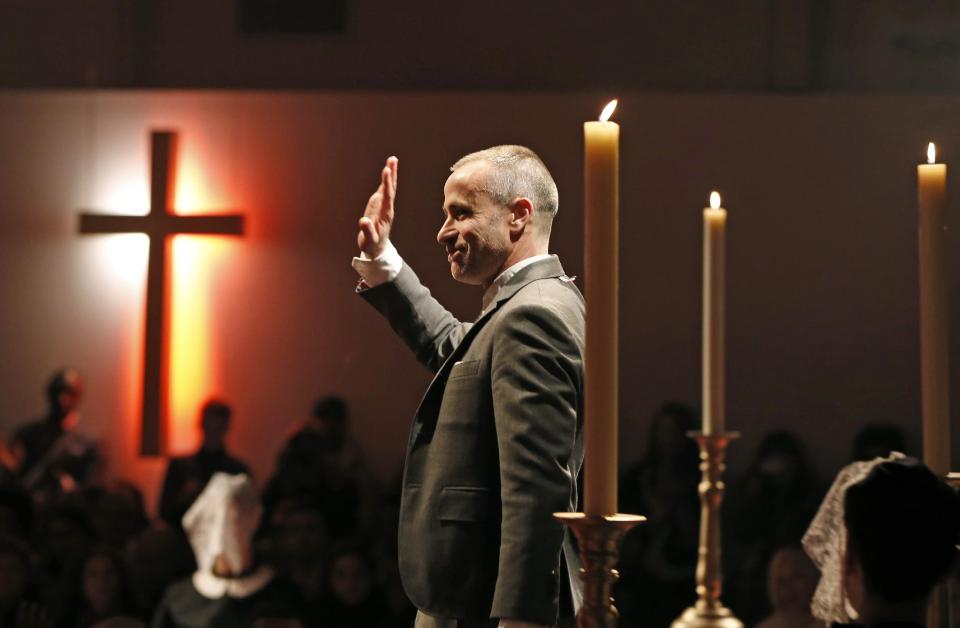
(378, 216)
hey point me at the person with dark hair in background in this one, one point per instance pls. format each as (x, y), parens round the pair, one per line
(770, 506)
(885, 535)
(791, 581)
(50, 455)
(658, 560)
(17, 591)
(296, 533)
(321, 461)
(878, 440)
(353, 598)
(101, 590)
(117, 510)
(186, 476)
(67, 532)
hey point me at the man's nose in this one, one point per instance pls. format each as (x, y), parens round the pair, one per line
(446, 233)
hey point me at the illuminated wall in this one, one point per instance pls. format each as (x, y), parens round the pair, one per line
(822, 247)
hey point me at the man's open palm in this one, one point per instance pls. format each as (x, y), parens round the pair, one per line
(378, 216)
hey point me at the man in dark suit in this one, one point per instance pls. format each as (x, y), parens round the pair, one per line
(496, 444)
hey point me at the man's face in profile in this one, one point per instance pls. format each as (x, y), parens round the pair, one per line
(475, 233)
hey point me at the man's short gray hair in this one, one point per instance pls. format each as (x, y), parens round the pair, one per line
(517, 172)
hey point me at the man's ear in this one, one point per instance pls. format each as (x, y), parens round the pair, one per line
(521, 214)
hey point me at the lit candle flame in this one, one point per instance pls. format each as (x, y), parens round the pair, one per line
(714, 200)
(608, 110)
(931, 153)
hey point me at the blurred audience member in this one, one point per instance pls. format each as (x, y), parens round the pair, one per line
(771, 506)
(66, 535)
(101, 591)
(229, 589)
(50, 455)
(16, 512)
(791, 580)
(16, 590)
(878, 440)
(156, 558)
(354, 599)
(322, 461)
(658, 560)
(117, 511)
(297, 531)
(187, 476)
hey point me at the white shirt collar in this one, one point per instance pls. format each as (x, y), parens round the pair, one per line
(491, 294)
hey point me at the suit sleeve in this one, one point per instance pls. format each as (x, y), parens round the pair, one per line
(536, 379)
(428, 328)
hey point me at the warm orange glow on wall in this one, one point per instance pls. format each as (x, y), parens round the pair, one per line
(193, 366)
(195, 261)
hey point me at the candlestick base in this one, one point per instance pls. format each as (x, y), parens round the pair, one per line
(699, 616)
(599, 540)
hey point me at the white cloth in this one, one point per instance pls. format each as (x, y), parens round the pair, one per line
(222, 521)
(384, 268)
(825, 542)
(213, 587)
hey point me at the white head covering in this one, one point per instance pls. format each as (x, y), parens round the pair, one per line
(826, 544)
(223, 520)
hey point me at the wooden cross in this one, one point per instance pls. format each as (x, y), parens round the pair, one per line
(158, 224)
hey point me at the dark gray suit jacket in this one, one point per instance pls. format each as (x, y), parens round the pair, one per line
(495, 447)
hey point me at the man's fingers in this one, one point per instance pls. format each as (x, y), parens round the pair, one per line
(394, 164)
(369, 231)
(387, 186)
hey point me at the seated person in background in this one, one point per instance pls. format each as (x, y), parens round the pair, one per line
(101, 591)
(156, 558)
(298, 543)
(49, 454)
(17, 593)
(354, 599)
(187, 476)
(65, 534)
(884, 537)
(321, 460)
(769, 506)
(791, 580)
(229, 589)
(116, 508)
(878, 440)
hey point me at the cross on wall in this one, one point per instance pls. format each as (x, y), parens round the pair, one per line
(158, 224)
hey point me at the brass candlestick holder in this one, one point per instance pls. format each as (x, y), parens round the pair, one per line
(598, 538)
(709, 611)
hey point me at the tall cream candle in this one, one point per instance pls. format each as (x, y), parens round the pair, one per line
(714, 272)
(601, 259)
(934, 333)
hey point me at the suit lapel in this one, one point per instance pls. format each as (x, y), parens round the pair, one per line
(430, 402)
(426, 416)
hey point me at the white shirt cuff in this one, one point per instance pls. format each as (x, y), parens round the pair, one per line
(382, 269)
